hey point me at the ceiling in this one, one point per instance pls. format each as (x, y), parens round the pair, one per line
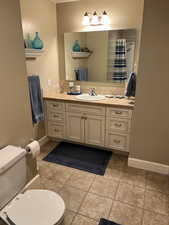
(62, 1)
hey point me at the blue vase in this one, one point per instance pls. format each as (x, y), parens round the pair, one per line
(37, 43)
(76, 46)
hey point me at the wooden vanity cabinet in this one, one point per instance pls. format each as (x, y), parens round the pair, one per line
(96, 125)
(85, 124)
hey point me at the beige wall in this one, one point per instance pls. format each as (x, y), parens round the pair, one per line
(15, 112)
(97, 63)
(70, 63)
(40, 15)
(150, 127)
(123, 14)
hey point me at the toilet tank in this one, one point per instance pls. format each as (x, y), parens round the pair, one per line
(13, 173)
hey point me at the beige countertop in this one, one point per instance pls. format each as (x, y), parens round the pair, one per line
(124, 103)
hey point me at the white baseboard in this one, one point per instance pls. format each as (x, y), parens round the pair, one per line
(43, 140)
(150, 166)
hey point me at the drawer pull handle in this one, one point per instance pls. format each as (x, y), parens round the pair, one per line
(118, 124)
(118, 112)
(56, 130)
(55, 116)
(55, 105)
(84, 118)
(116, 141)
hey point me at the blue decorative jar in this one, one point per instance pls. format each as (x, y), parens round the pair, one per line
(76, 46)
(37, 43)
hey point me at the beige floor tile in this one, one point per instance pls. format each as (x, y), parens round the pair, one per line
(73, 197)
(104, 187)
(113, 173)
(46, 149)
(125, 214)
(81, 180)
(50, 184)
(158, 182)
(95, 207)
(151, 218)
(157, 202)
(54, 171)
(36, 185)
(45, 170)
(117, 161)
(130, 194)
(82, 220)
(68, 218)
(134, 176)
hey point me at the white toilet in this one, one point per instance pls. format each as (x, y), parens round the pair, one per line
(34, 207)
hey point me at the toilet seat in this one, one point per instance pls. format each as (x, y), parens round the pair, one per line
(34, 207)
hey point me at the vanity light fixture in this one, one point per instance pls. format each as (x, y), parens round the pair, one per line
(94, 20)
(86, 19)
(105, 19)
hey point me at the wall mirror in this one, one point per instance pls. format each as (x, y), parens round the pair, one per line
(103, 56)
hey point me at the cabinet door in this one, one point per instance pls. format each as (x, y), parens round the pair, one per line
(74, 127)
(95, 130)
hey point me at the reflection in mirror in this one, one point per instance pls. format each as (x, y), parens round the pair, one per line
(104, 56)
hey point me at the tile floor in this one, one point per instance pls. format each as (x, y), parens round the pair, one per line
(124, 195)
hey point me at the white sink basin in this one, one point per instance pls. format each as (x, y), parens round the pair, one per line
(87, 97)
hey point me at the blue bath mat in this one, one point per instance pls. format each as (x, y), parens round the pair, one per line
(107, 222)
(80, 157)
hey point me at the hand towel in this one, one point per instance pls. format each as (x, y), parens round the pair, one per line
(81, 74)
(131, 87)
(36, 98)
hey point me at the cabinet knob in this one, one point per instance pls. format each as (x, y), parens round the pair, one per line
(84, 118)
(55, 105)
(118, 112)
(116, 141)
(56, 130)
(118, 124)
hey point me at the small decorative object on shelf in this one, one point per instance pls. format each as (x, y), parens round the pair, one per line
(37, 43)
(76, 46)
(28, 41)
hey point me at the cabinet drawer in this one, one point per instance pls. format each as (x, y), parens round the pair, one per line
(83, 108)
(55, 106)
(57, 117)
(120, 113)
(117, 141)
(56, 130)
(118, 125)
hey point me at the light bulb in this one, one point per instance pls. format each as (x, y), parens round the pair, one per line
(86, 19)
(105, 19)
(95, 19)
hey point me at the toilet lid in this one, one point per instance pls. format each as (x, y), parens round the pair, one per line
(40, 207)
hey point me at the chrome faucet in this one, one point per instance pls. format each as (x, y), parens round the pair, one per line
(92, 92)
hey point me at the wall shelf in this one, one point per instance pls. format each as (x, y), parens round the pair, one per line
(81, 55)
(33, 53)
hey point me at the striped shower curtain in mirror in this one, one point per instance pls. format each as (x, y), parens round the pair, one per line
(120, 62)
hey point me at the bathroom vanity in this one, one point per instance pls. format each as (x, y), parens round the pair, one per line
(105, 123)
